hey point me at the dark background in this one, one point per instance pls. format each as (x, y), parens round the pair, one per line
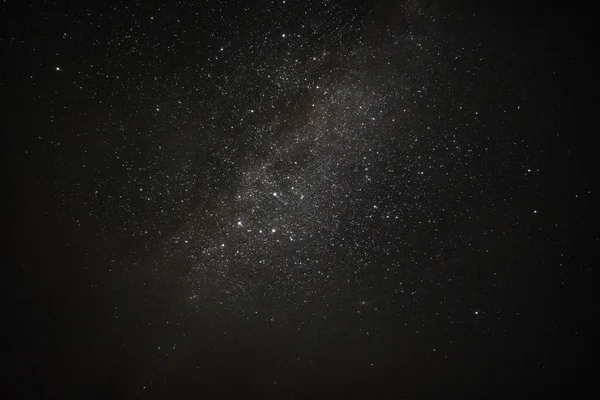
(86, 306)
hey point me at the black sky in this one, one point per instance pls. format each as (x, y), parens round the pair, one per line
(298, 199)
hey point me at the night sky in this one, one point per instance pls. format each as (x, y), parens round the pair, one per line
(297, 199)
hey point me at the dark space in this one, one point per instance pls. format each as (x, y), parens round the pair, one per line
(298, 199)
